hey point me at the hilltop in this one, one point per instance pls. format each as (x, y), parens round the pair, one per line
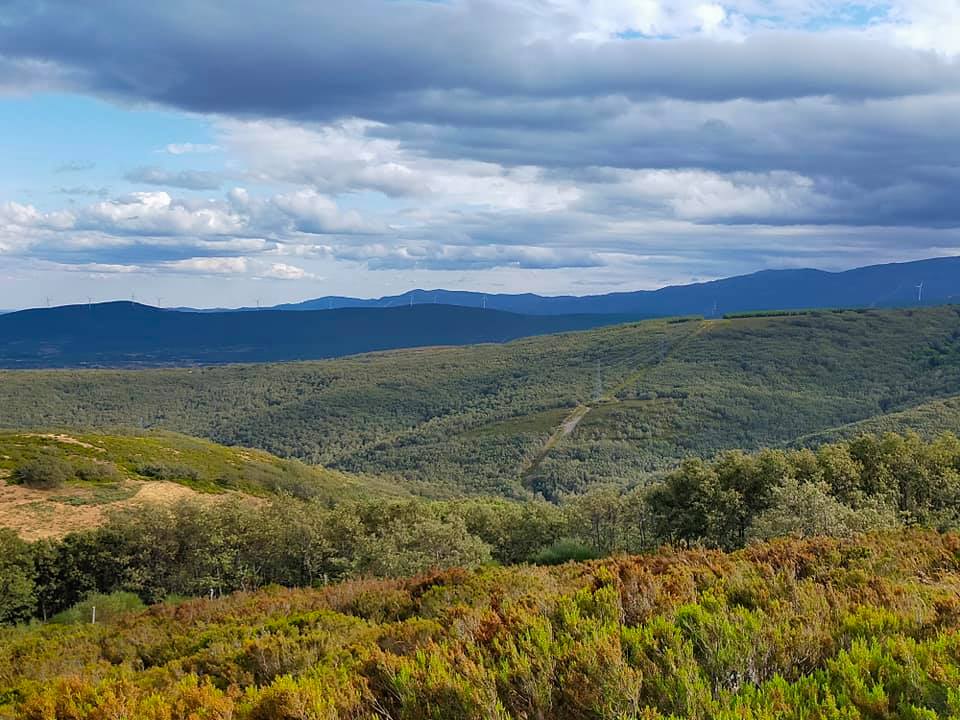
(52, 483)
(888, 285)
(548, 415)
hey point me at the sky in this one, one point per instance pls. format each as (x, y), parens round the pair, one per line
(215, 153)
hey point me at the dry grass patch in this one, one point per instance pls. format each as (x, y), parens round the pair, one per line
(40, 514)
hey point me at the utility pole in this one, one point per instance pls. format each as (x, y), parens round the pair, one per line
(598, 384)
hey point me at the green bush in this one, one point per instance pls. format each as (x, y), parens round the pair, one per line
(564, 551)
(48, 470)
(168, 471)
(97, 471)
(109, 608)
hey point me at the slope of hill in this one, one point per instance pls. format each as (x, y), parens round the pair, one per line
(56, 482)
(866, 628)
(552, 414)
(928, 419)
(889, 285)
(124, 333)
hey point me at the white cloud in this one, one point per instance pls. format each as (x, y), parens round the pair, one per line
(927, 25)
(157, 213)
(349, 157)
(209, 265)
(282, 271)
(190, 148)
(314, 213)
(700, 196)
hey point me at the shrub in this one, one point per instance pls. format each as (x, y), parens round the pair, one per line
(564, 551)
(97, 471)
(109, 607)
(168, 471)
(45, 472)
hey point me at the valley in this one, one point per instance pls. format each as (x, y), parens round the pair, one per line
(488, 419)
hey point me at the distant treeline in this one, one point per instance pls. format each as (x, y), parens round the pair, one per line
(838, 490)
(790, 313)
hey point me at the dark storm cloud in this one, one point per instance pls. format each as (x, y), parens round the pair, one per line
(328, 60)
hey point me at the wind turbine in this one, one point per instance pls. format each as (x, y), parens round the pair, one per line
(920, 293)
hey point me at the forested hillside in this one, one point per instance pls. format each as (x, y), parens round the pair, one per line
(122, 334)
(546, 415)
(866, 628)
(195, 548)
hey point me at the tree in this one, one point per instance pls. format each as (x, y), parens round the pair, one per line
(428, 543)
(692, 505)
(597, 516)
(808, 509)
(17, 588)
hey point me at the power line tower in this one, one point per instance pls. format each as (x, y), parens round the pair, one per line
(598, 384)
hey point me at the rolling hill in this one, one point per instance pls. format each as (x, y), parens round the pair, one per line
(889, 285)
(125, 333)
(550, 415)
(94, 473)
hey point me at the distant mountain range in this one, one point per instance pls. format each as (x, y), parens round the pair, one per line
(890, 285)
(127, 334)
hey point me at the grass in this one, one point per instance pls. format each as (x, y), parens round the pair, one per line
(203, 466)
(98, 495)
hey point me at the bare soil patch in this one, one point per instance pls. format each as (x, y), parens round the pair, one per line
(38, 514)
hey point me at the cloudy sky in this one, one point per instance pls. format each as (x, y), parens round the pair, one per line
(209, 152)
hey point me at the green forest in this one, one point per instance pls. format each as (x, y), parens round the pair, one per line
(192, 549)
(453, 421)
